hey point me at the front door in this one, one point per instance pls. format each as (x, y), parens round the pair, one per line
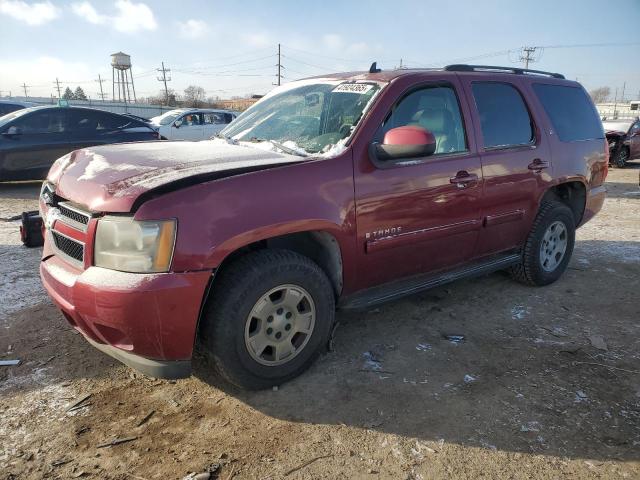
(421, 214)
(191, 128)
(40, 138)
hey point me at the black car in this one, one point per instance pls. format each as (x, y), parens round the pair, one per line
(8, 106)
(31, 139)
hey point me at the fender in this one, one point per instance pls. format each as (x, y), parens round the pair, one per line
(216, 218)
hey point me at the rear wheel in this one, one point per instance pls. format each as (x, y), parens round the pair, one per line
(621, 158)
(270, 316)
(548, 248)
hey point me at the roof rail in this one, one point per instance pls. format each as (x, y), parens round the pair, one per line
(491, 68)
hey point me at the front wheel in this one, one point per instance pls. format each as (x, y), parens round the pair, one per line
(621, 158)
(548, 248)
(270, 316)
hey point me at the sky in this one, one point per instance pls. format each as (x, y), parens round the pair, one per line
(230, 47)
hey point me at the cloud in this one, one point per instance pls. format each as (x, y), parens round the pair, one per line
(193, 28)
(15, 72)
(258, 40)
(32, 14)
(332, 41)
(85, 10)
(130, 17)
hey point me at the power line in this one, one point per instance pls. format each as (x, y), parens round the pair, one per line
(165, 80)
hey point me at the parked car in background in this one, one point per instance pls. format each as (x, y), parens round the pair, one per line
(8, 106)
(348, 190)
(623, 136)
(31, 139)
(192, 124)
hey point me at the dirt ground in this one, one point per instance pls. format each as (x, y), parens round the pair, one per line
(545, 384)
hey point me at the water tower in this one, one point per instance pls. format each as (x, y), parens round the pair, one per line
(122, 77)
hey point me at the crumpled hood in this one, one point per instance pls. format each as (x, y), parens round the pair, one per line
(110, 178)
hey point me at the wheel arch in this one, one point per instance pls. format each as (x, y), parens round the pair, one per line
(320, 244)
(571, 192)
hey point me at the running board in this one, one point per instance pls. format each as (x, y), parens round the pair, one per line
(401, 288)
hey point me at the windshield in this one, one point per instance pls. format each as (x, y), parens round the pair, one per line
(13, 115)
(167, 118)
(619, 126)
(304, 117)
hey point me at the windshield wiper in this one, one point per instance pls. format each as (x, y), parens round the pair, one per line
(280, 146)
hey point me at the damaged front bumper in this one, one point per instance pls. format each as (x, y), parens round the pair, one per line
(145, 321)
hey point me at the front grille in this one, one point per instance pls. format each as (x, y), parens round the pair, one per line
(69, 247)
(73, 214)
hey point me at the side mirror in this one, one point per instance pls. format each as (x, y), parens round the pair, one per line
(177, 123)
(11, 131)
(404, 142)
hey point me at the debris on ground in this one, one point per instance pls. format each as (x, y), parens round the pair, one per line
(455, 339)
(146, 418)
(423, 347)
(117, 441)
(469, 378)
(372, 361)
(9, 363)
(597, 341)
(79, 402)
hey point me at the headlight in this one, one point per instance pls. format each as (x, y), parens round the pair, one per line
(131, 246)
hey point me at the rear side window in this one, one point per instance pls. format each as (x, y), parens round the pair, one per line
(571, 112)
(504, 118)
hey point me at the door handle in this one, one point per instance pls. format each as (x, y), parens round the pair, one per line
(538, 164)
(462, 179)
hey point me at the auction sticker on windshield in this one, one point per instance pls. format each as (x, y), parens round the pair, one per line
(353, 88)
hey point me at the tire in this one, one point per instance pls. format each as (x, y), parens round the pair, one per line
(230, 328)
(538, 267)
(621, 158)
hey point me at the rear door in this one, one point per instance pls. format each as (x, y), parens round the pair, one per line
(214, 122)
(40, 139)
(419, 215)
(515, 157)
(89, 127)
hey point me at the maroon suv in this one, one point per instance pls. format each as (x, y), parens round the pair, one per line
(346, 190)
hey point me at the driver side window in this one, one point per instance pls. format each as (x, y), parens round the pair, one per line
(190, 119)
(435, 109)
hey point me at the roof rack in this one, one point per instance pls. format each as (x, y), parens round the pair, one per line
(491, 68)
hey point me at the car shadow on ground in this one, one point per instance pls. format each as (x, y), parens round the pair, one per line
(526, 378)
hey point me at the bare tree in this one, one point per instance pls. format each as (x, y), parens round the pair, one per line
(194, 96)
(600, 95)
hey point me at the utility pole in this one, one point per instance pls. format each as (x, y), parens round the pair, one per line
(624, 85)
(279, 65)
(24, 85)
(100, 80)
(527, 55)
(57, 82)
(164, 79)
